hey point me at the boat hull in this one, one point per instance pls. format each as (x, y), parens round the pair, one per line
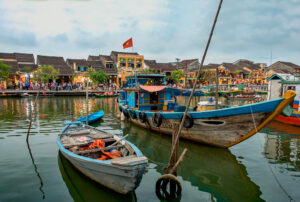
(219, 131)
(294, 119)
(222, 128)
(117, 178)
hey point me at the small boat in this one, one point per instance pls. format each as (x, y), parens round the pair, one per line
(92, 117)
(26, 95)
(291, 114)
(105, 158)
(43, 94)
(3, 95)
(152, 107)
(106, 95)
(242, 97)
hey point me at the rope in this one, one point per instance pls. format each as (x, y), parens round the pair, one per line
(197, 78)
(158, 163)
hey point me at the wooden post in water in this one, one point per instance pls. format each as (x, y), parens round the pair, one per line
(87, 101)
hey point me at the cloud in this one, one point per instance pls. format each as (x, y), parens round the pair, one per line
(162, 30)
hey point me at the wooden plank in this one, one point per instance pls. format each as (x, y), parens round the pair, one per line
(86, 143)
(125, 160)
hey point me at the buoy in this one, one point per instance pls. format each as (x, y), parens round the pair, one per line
(44, 116)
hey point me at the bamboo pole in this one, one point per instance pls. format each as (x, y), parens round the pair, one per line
(87, 101)
(179, 161)
(198, 75)
(217, 86)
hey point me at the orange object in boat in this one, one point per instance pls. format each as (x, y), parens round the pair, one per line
(113, 154)
(103, 157)
(97, 144)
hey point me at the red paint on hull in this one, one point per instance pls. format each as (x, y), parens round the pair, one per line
(289, 120)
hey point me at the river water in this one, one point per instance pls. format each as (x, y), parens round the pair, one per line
(265, 167)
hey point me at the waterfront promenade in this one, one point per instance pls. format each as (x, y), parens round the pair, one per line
(55, 92)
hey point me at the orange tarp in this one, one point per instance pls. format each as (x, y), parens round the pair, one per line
(152, 88)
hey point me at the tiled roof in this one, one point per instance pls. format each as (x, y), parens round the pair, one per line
(79, 62)
(151, 64)
(165, 66)
(247, 63)
(185, 63)
(24, 57)
(232, 67)
(7, 56)
(107, 58)
(210, 66)
(95, 64)
(93, 58)
(57, 62)
(294, 66)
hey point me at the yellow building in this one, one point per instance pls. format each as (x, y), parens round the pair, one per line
(127, 63)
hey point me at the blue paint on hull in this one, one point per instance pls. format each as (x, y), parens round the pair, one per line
(261, 107)
(92, 117)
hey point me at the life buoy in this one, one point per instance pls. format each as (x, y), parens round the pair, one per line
(132, 114)
(126, 114)
(157, 119)
(120, 108)
(188, 122)
(142, 117)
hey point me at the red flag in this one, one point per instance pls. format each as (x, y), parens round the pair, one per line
(128, 43)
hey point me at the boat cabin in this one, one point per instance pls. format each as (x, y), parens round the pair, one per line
(147, 92)
(281, 83)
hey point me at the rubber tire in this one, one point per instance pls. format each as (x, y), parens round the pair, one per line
(161, 191)
(188, 122)
(132, 114)
(142, 117)
(157, 119)
(126, 114)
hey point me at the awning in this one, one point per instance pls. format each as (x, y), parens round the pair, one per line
(152, 88)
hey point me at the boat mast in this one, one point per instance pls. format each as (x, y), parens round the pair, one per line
(87, 103)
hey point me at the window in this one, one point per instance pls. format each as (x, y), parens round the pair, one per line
(154, 98)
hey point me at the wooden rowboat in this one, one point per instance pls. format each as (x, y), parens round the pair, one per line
(122, 174)
(92, 117)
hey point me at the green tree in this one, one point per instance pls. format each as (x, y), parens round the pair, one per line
(4, 71)
(27, 69)
(207, 76)
(175, 76)
(45, 73)
(98, 77)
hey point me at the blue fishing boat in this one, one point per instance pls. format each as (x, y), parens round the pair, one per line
(92, 117)
(147, 101)
(105, 158)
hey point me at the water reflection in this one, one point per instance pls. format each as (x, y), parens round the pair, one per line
(282, 145)
(82, 188)
(211, 170)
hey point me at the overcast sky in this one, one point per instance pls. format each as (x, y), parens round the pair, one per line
(161, 30)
